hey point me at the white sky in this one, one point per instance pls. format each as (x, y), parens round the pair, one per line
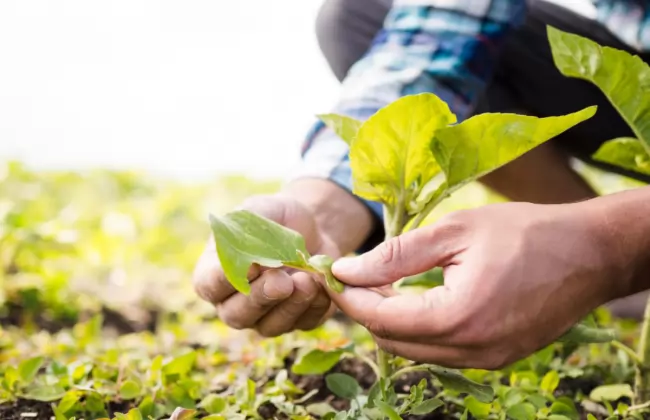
(181, 88)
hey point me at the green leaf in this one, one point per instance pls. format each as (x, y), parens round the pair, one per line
(316, 362)
(243, 238)
(68, 401)
(342, 385)
(484, 143)
(478, 409)
(11, 377)
(28, 369)
(550, 382)
(522, 411)
(45, 393)
(583, 334)
(323, 263)
(183, 414)
(213, 404)
(611, 392)
(625, 152)
(390, 158)
(320, 409)
(426, 406)
(513, 397)
(344, 127)
(134, 414)
(387, 410)
(558, 417)
(180, 365)
(454, 380)
(622, 77)
(129, 390)
(561, 408)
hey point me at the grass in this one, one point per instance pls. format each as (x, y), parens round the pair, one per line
(98, 318)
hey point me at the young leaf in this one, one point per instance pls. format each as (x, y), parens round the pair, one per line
(623, 78)
(522, 411)
(316, 362)
(583, 334)
(482, 144)
(390, 157)
(243, 238)
(323, 264)
(611, 392)
(426, 406)
(213, 404)
(344, 386)
(45, 393)
(561, 408)
(344, 127)
(28, 369)
(129, 390)
(478, 409)
(180, 365)
(625, 152)
(454, 380)
(550, 382)
(387, 410)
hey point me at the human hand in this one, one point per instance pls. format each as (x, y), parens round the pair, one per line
(281, 300)
(517, 276)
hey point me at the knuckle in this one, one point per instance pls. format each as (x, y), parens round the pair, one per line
(390, 251)
(378, 329)
(232, 320)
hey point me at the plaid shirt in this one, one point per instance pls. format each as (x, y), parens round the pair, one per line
(447, 47)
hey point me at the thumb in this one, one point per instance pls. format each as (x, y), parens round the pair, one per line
(408, 254)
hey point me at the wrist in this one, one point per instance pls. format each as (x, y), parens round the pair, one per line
(338, 214)
(622, 228)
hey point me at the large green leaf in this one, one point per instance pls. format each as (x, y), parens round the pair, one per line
(243, 238)
(623, 78)
(483, 143)
(345, 127)
(625, 152)
(390, 157)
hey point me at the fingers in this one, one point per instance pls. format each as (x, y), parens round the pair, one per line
(411, 253)
(306, 306)
(433, 315)
(270, 289)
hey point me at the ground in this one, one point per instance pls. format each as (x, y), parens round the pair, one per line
(98, 319)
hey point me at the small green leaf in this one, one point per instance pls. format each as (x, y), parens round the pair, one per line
(243, 238)
(387, 410)
(478, 409)
(11, 377)
(627, 153)
(455, 381)
(320, 409)
(213, 404)
(183, 414)
(550, 382)
(426, 406)
(513, 397)
(147, 407)
(45, 393)
(68, 401)
(522, 411)
(611, 392)
(624, 78)
(344, 127)
(323, 264)
(130, 390)
(390, 157)
(591, 417)
(134, 414)
(484, 143)
(558, 417)
(344, 386)
(562, 408)
(583, 334)
(180, 365)
(28, 369)
(316, 362)
(94, 403)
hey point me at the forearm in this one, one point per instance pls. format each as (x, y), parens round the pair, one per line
(340, 215)
(623, 225)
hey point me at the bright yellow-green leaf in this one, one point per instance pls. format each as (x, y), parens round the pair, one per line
(483, 143)
(180, 365)
(243, 238)
(316, 362)
(623, 78)
(213, 404)
(627, 153)
(390, 158)
(129, 390)
(28, 369)
(611, 392)
(344, 127)
(550, 382)
(478, 409)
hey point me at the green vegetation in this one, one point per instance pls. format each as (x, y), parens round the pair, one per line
(98, 318)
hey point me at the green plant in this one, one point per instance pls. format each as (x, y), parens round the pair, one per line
(624, 79)
(409, 156)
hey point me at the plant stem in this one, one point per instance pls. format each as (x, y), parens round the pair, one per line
(642, 379)
(437, 197)
(409, 369)
(627, 350)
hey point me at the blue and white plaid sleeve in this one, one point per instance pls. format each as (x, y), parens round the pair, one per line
(448, 47)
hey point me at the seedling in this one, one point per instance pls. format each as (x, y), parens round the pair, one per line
(625, 80)
(409, 156)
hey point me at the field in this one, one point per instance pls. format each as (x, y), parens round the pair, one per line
(98, 318)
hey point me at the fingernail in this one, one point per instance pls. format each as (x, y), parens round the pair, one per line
(344, 265)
